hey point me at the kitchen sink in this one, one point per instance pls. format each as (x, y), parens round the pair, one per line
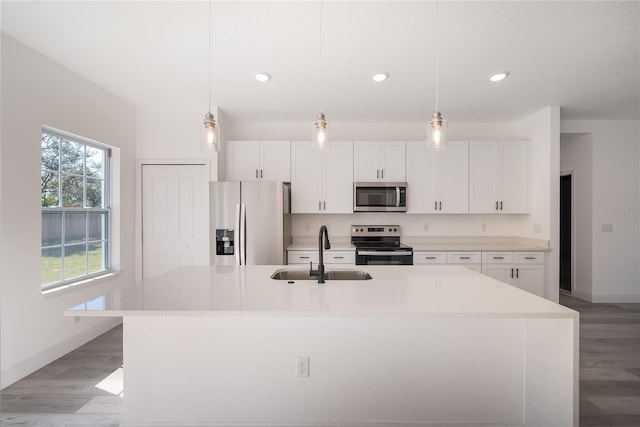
(284, 274)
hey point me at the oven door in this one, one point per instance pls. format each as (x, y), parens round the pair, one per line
(379, 197)
(388, 257)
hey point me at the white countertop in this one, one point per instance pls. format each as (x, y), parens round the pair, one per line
(396, 291)
(441, 244)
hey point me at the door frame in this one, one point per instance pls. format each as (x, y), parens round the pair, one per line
(572, 174)
(138, 221)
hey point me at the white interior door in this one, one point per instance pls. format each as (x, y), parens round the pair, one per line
(175, 217)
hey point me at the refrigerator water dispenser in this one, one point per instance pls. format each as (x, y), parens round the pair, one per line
(224, 241)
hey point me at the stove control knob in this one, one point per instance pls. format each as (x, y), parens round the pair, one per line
(395, 229)
(389, 230)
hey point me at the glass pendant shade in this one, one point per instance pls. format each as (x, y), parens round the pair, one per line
(437, 136)
(321, 134)
(211, 133)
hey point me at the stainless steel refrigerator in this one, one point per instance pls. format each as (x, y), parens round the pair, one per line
(250, 222)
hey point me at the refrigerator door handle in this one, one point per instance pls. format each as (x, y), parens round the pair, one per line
(243, 234)
(237, 234)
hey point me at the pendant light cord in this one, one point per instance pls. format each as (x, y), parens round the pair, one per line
(209, 55)
(321, 60)
(437, 55)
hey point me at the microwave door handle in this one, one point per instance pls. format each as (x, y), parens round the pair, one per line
(237, 234)
(397, 196)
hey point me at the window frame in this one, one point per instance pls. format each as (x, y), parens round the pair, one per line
(105, 209)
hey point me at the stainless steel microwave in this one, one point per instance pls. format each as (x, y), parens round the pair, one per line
(379, 196)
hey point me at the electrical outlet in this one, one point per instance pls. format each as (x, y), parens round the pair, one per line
(302, 366)
(484, 226)
(426, 226)
(607, 228)
(536, 228)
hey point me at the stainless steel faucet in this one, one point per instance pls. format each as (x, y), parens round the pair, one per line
(327, 245)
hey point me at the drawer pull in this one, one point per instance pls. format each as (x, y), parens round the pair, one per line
(429, 257)
(304, 257)
(529, 257)
(338, 257)
(498, 257)
(465, 257)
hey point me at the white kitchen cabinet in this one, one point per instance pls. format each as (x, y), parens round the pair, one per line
(470, 260)
(499, 177)
(322, 182)
(379, 161)
(330, 257)
(526, 270)
(258, 161)
(438, 182)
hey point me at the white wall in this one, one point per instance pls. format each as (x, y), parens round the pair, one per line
(615, 198)
(576, 156)
(176, 132)
(37, 91)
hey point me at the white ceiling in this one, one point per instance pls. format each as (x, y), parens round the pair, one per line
(582, 55)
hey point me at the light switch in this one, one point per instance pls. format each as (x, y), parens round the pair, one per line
(607, 228)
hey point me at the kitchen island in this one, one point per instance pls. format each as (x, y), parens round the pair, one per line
(415, 345)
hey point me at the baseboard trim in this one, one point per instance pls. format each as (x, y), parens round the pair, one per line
(48, 355)
(607, 298)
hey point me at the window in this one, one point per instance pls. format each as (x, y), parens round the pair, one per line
(75, 186)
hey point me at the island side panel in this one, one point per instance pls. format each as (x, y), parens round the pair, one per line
(240, 370)
(552, 352)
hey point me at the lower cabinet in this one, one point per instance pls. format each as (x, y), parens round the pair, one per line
(525, 270)
(329, 257)
(470, 260)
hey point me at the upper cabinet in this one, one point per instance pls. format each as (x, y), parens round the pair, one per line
(258, 161)
(438, 182)
(379, 161)
(499, 177)
(322, 182)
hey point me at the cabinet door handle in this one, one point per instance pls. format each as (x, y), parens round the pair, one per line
(440, 205)
(529, 257)
(260, 173)
(517, 273)
(319, 205)
(500, 205)
(435, 205)
(512, 273)
(496, 205)
(378, 173)
(324, 205)
(382, 173)
(256, 173)
(498, 257)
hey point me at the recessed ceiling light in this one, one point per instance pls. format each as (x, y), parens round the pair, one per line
(263, 77)
(496, 77)
(380, 77)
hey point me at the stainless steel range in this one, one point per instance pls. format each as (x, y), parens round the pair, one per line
(380, 245)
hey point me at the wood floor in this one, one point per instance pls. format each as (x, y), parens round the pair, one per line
(83, 388)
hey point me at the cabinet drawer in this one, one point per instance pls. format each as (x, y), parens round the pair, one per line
(429, 257)
(339, 257)
(529, 258)
(463, 258)
(302, 257)
(497, 257)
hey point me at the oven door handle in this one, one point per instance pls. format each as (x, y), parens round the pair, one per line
(394, 253)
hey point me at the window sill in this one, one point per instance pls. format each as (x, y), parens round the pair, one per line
(80, 284)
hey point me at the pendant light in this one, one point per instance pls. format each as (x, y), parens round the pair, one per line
(211, 128)
(437, 134)
(321, 132)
